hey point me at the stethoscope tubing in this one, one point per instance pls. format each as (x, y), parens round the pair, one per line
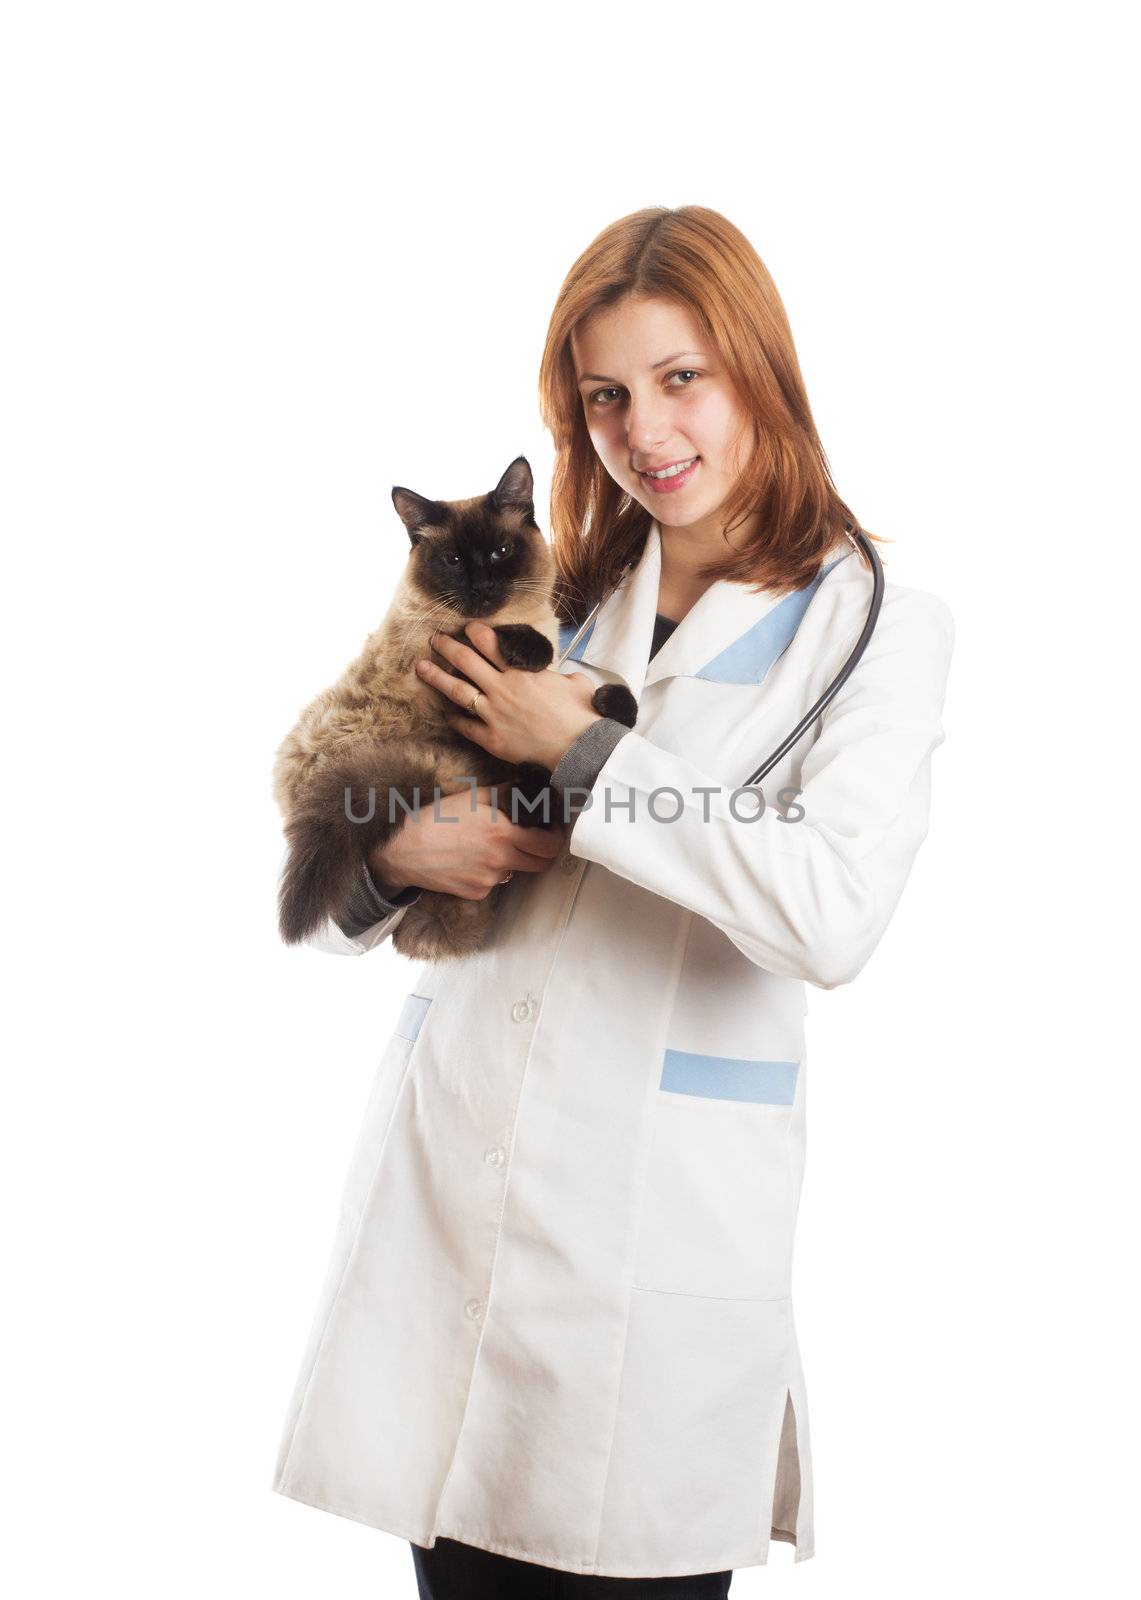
(845, 671)
(858, 540)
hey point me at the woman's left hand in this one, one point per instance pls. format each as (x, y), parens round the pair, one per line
(520, 716)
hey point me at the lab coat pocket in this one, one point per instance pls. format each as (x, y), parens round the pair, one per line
(722, 1189)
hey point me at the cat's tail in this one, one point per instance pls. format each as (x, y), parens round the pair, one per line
(342, 813)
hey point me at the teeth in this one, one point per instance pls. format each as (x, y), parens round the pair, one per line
(672, 472)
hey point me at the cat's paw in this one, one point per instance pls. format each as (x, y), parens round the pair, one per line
(615, 701)
(528, 798)
(525, 647)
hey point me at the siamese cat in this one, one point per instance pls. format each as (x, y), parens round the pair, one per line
(377, 741)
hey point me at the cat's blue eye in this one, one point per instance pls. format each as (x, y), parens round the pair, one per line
(452, 558)
(501, 552)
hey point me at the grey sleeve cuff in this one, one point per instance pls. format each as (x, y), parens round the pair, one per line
(580, 765)
(366, 906)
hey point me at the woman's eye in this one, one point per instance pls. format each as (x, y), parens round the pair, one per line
(501, 551)
(680, 372)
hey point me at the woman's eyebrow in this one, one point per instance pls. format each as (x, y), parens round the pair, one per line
(600, 377)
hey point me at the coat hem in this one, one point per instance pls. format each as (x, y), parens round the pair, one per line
(802, 1552)
(427, 1540)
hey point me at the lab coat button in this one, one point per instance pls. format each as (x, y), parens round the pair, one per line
(520, 1011)
(495, 1156)
(474, 1309)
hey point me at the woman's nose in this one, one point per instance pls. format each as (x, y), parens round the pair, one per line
(647, 427)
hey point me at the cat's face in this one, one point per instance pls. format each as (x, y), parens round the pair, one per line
(477, 557)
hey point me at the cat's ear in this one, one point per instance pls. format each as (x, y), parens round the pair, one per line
(416, 512)
(516, 487)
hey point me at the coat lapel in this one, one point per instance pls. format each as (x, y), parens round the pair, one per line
(731, 635)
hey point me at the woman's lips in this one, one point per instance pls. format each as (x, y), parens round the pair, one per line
(671, 485)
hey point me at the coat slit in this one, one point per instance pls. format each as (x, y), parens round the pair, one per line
(786, 1491)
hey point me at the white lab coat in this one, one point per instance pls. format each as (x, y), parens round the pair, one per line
(557, 1320)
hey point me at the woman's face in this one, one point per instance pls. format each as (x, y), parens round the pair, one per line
(654, 393)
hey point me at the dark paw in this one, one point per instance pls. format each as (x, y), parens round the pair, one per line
(614, 700)
(528, 799)
(525, 647)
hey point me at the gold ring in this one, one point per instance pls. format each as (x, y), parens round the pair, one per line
(475, 697)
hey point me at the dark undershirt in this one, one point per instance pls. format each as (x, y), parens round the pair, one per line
(663, 627)
(367, 906)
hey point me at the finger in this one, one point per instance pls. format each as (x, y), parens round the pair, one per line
(519, 860)
(540, 843)
(469, 726)
(586, 681)
(544, 836)
(456, 689)
(481, 672)
(485, 639)
(544, 839)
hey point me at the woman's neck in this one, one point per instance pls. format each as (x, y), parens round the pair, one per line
(679, 591)
(684, 552)
(671, 611)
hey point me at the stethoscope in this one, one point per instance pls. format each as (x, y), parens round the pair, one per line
(838, 681)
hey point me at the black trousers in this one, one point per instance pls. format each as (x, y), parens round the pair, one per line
(454, 1571)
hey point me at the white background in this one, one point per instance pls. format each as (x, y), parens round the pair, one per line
(262, 263)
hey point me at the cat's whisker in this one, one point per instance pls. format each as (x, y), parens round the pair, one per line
(426, 620)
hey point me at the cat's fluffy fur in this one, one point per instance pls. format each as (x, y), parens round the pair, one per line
(381, 727)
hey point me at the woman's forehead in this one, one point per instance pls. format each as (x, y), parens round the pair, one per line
(641, 334)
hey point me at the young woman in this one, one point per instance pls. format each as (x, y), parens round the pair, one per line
(556, 1346)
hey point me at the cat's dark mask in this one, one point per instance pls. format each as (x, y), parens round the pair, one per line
(475, 554)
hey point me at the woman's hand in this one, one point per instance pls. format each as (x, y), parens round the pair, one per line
(467, 854)
(520, 716)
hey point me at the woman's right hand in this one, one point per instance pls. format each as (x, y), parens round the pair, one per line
(465, 855)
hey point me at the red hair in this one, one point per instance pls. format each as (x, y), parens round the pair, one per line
(698, 259)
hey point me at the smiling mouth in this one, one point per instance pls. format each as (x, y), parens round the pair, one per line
(673, 471)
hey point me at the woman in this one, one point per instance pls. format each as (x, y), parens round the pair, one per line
(556, 1346)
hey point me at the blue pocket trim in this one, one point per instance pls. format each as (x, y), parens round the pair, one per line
(770, 1083)
(412, 1015)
